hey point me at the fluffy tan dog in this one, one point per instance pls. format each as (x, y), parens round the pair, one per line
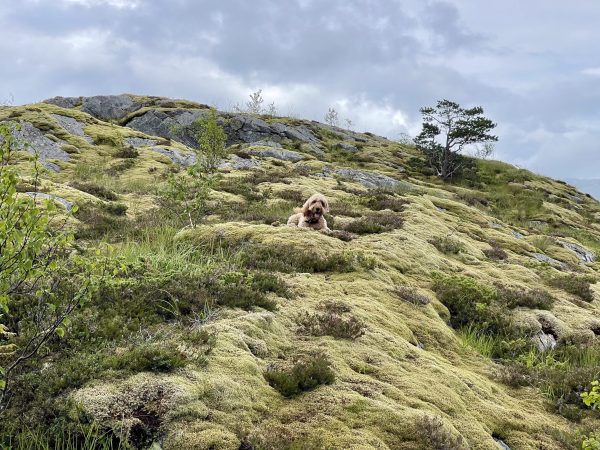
(311, 214)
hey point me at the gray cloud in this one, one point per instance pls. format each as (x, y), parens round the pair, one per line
(533, 66)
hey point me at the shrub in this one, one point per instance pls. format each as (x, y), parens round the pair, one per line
(288, 259)
(117, 209)
(380, 201)
(246, 290)
(531, 298)
(127, 152)
(95, 190)
(495, 252)
(305, 375)
(447, 245)
(292, 195)
(468, 302)
(332, 322)
(149, 358)
(411, 295)
(378, 222)
(436, 436)
(576, 285)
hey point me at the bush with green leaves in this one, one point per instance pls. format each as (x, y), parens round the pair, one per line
(42, 281)
(576, 285)
(305, 375)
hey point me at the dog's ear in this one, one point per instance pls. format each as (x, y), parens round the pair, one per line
(304, 208)
(325, 205)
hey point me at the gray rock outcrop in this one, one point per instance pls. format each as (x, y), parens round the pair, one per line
(544, 341)
(284, 155)
(546, 259)
(585, 255)
(42, 196)
(73, 126)
(38, 143)
(140, 142)
(105, 107)
(369, 179)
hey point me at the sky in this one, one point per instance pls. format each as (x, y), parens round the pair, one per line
(534, 66)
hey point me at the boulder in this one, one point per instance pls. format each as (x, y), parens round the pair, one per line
(585, 255)
(369, 180)
(65, 102)
(546, 259)
(109, 107)
(544, 341)
(177, 158)
(502, 444)
(140, 142)
(345, 147)
(284, 155)
(38, 143)
(73, 126)
(42, 196)
(236, 163)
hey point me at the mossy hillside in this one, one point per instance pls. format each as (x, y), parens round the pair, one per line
(408, 363)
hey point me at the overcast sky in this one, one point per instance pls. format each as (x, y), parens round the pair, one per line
(533, 65)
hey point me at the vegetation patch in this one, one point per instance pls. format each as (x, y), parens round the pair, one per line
(95, 190)
(377, 222)
(447, 244)
(495, 252)
(410, 295)
(573, 284)
(333, 320)
(305, 375)
(514, 297)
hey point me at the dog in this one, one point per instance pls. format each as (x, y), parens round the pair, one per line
(311, 214)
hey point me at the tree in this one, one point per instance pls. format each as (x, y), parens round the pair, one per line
(331, 118)
(254, 105)
(457, 128)
(188, 192)
(42, 279)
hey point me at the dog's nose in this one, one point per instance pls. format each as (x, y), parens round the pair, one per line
(318, 210)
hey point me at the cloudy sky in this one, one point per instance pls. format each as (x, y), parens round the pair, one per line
(533, 65)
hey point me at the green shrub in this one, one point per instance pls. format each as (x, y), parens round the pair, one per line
(469, 303)
(117, 209)
(331, 321)
(288, 259)
(530, 298)
(293, 195)
(380, 201)
(576, 285)
(447, 245)
(149, 358)
(246, 290)
(95, 189)
(378, 222)
(305, 375)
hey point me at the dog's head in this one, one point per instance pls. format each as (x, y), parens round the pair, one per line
(315, 207)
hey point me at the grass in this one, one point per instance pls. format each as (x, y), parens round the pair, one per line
(447, 244)
(82, 436)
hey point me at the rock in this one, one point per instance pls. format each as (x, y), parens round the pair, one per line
(140, 142)
(517, 235)
(271, 144)
(544, 341)
(284, 155)
(316, 150)
(107, 107)
(237, 163)
(347, 147)
(546, 259)
(167, 124)
(73, 126)
(583, 254)
(495, 226)
(39, 144)
(575, 198)
(441, 209)
(51, 166)
(42, 196)
(65, 102)
(502, 444)
(175, 156)
(369, 179)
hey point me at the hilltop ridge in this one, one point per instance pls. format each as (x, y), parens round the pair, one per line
(439, 315)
